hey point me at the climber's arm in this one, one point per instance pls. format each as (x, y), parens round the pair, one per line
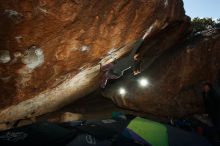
(145, 35)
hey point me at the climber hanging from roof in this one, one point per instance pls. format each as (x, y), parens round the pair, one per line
(116, 69)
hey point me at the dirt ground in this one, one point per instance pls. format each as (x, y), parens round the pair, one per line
(93, 106)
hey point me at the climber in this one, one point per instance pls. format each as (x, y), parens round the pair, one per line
(110, 73)
(116, 69)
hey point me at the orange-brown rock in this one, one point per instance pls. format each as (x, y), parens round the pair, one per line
(50, 50)
(175, 78)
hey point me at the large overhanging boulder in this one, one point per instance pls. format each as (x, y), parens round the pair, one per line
(50, 50)
(175, 79)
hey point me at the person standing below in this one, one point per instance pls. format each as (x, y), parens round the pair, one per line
(212, 104)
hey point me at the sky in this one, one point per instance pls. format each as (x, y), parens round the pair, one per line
(202, 8)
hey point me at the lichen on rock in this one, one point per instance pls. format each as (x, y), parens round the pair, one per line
(4, 56)
(14, 15)
(33, 58)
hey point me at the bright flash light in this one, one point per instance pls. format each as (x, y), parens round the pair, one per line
(122, 91)
(143, 82)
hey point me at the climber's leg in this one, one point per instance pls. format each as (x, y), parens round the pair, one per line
(104, 80)
(137, 64)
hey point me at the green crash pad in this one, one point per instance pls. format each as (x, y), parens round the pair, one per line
(153, 132)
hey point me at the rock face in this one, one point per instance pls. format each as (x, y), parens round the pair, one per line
(50, 50)
(175, 79)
